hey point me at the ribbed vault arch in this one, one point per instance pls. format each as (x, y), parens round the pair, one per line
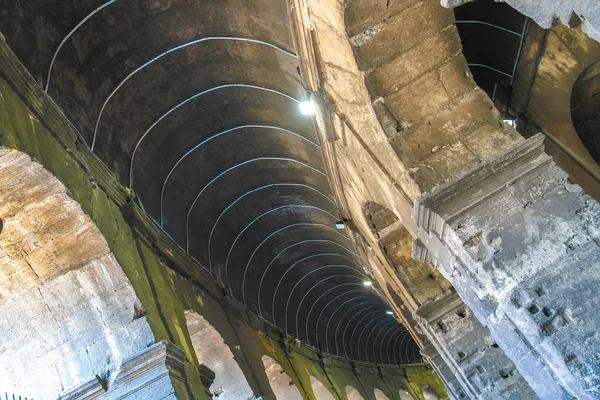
(193, 105)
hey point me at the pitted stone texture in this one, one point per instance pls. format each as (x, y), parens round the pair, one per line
(66, 307)
(521, 247)
(470, 352)
(544, 242)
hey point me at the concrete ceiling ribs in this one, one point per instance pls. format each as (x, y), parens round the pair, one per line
(194, 105)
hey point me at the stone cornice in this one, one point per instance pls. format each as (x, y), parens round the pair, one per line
(454, 197)
(161, 360)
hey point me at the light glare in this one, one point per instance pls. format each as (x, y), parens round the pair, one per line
(307, 107)
(367, 283)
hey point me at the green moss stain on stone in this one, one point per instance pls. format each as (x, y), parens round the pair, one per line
(166, 295)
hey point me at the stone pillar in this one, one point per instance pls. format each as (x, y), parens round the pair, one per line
(521, 246)
(464, 354)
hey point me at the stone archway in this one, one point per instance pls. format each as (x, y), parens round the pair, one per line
(211, 350)
(379, 395)
(353, 394)
(320, 391)
(282, 385)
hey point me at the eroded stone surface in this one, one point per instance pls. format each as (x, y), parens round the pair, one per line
(67, 311)
(525, 260)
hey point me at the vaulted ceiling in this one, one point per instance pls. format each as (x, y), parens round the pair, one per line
(194, 106)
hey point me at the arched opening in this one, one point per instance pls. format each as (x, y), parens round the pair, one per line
(353, 394)
(320, 391)
(281, 384)
(585, 109)
(492, 35)
(404, 395)
(211, 350)
(379, 395)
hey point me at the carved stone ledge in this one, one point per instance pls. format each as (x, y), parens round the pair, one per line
(455, 197)
(505, 233)
(436, 310)
(152, 374)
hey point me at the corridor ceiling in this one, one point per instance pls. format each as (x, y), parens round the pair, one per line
(194, 105)
(492, 35)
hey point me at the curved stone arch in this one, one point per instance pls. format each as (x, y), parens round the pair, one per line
(282, 385)
(320, 391)
(379, 395)
(212, 351)
(69, 313)
(353, 394)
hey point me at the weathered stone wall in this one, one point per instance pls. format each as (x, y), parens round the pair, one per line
(524, 256)
(455, 125)
(68, 312)
(405, 49)
(362, 165)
